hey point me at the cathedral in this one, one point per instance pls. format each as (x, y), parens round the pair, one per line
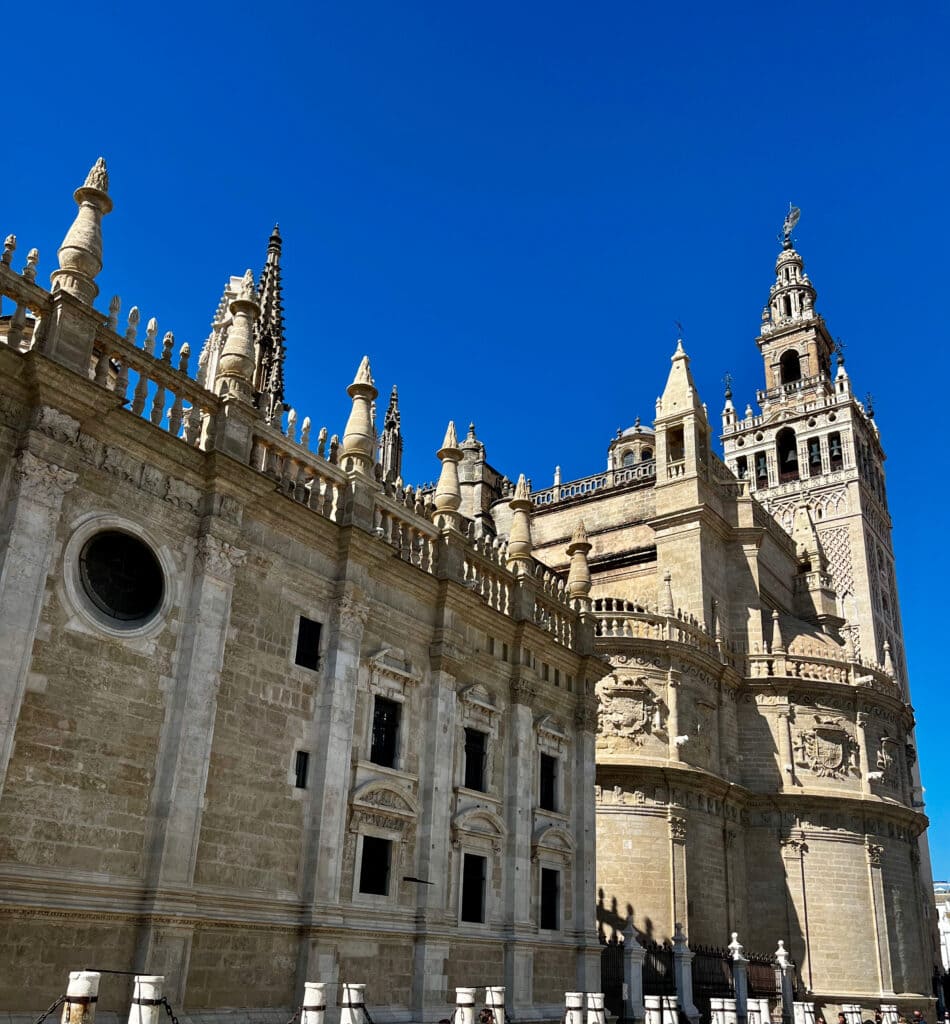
(270, 714)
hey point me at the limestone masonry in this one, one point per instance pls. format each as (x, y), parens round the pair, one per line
(269, 715)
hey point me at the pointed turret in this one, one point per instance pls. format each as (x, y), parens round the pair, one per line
(778, 643)
(578, 577)
(390, 445)
(680, 394)
(80, 255)
(519, 537)
(269, 332)
(235, 372)
(448, 495)
(666, 603)
(359, 437)
(728, 409)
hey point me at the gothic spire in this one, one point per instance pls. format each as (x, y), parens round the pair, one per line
(269, 331)
(390, 444)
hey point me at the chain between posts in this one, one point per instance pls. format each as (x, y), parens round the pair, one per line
(168, 1009)
(59, 1002)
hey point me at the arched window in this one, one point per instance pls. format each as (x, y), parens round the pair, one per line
(786, 451)
(628, 459)
(835, 453)
(790, 367)
(646, 454)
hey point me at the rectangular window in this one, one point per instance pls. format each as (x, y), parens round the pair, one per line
(814, 457)
(374, 867)
(475, 745)
(385, 732)
(550, 897)
(547, 797)
(675, 445)
(301, 767)
(308, 644)
(473, 887)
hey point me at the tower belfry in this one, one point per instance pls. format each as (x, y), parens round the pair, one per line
(813, 454)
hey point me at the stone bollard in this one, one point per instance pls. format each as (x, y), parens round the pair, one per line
(740, 978)
(314, 1009)
(653, 1009)
(804, 1013)
(573, 1008)
(757, 1011)
(633, 957)
(595, 1008)
(495, 1001)
(852, 1012)
(352, 1004)
(889, 1013)
(82, 994)
(147, 1000)
(464, 1006)
(671, 1009)
(722, 1011)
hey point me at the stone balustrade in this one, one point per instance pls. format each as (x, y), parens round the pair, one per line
(642, 472)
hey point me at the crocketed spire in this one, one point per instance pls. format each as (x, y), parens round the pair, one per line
(269, 332)
(390, 444)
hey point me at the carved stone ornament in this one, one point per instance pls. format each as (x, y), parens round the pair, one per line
(629, 709)
(216, 557)
(522, 691)
(875, 854)
(826, 749)
(42, 482)
(678, 829)
(57, 425)
(352, 616)
(887, 757)
(586, 714)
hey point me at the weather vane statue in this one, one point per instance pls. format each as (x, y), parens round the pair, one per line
(791, 219)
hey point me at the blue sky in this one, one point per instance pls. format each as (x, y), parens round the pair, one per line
(507, 206)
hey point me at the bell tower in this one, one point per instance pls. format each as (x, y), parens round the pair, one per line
(812, 456)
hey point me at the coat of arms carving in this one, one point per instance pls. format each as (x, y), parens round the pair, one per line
(827, 748)
(629, 709)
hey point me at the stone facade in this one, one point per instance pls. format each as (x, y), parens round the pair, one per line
(184, 792)
(258, 770)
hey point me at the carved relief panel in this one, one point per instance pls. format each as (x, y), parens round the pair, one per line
(630, 715)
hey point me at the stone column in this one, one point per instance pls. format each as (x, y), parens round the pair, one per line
(678, 889)
(521, 755)
(36, 498)
(585, 830)
(793, 857)
(185, 753)
(786, 753)
(740, 978)
(882, 944)
(633, 957)
(673, 723)
(683, 970)
(334, 715)
(861, 721)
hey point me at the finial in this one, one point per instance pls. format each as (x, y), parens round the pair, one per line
(727, 380)
(115, 304)
(133, 325)
(448, 493)
(578, 576)
(667, 607)
(778, 644)
(98, 176)
(359, 435)
(791, 219)
(781, 954)
(888, 660)
(521, 489)
(520, 544)
(869, 405)
(248, 291)
(32, 258)
(184, 354)
(364, 374)
(9, 248)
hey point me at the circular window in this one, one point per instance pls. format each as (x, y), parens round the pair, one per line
(121, 576)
